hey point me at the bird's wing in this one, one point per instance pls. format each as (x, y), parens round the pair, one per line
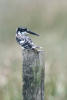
(26, 42)
(22, 41)
(29, 41)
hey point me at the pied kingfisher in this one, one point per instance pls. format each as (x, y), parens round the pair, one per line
(23, 39)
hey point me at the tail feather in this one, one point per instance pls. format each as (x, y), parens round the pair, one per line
(36, 47)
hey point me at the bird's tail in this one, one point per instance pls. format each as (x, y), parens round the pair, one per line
(37, 47)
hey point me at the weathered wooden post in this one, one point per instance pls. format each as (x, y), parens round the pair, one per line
(33, 75)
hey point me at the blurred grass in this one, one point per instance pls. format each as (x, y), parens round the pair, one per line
(49, 19)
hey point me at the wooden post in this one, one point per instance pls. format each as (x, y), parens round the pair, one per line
(33, 75)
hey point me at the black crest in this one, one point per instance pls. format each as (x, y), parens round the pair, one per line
(21, 29)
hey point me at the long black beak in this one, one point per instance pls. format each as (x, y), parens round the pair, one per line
(32, 33)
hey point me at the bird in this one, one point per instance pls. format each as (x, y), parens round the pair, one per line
(24, 40)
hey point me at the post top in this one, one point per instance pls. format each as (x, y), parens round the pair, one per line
(40, 50)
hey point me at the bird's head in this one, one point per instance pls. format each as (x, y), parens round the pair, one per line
(24, 31)
(21, 31)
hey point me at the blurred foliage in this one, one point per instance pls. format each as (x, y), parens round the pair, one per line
(49, 19)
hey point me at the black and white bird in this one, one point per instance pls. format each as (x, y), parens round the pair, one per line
(23, 39)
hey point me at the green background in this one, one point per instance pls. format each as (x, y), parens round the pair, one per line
(49, 19)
